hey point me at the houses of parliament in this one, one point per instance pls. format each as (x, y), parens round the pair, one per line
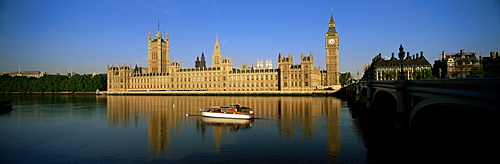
(164, 75)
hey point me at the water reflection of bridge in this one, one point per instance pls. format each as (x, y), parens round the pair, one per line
(165, 114)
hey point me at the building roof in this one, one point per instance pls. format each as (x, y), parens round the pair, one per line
(393, 62)
(25, 73)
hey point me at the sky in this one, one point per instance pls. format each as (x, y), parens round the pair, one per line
(80, 36)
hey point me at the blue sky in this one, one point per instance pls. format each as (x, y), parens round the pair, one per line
(51, 35)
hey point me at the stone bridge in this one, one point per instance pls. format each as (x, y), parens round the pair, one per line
(432, 104)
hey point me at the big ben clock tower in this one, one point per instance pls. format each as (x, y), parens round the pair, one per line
(332, 54)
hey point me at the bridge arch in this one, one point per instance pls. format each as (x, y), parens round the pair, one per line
(433, 101)
(385, 101)
(454, 120)
(363, 94)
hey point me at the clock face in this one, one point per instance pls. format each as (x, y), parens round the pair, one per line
(331, 41)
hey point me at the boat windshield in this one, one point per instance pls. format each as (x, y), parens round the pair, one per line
(238, 108)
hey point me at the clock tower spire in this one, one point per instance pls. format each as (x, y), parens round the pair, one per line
(332, 53)
(331, 24)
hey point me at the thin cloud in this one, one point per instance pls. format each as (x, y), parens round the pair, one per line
(173, 14)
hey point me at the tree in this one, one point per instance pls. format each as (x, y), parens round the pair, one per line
(52, 83)
(476, 72)
(424, 74)
(390, 75)
(76, 83)
(345, 78)
(100, 82)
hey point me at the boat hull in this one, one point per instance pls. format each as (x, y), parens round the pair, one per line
(227, 115)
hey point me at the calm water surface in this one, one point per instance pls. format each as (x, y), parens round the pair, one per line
(154, 129)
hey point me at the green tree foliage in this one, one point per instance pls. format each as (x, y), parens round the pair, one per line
(345, 79)
(477, 72)
(52, 83)
(390, 75)
(424, 74)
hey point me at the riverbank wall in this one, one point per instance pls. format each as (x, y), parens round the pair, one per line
(46, 93)
(333, 92)
(226, 93)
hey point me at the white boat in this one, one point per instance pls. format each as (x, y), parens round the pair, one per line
(232, 111)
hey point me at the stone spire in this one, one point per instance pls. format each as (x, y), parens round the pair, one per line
(158, 34)
(217, 46)
(331, 24)
(217, 54)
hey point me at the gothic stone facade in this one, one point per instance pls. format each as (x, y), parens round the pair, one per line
(389, 69)
(163, 75)
(456, 65)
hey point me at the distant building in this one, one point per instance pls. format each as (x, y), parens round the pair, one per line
(365, 71)
(413, 66)
(163, 75)
(491, 64)
(71, 74)
(455, 65)
(36, 74)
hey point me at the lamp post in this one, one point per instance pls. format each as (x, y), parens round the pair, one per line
(401, 56)
(401, 112)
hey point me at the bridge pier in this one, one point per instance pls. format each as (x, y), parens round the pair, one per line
(402, 104)
(401, 95)
(369, 95)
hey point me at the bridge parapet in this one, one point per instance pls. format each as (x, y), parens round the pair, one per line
(385, 84)
(484, 89)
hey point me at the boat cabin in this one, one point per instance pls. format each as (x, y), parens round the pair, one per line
(233, 108)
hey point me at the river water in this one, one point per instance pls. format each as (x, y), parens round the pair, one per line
(155, 129)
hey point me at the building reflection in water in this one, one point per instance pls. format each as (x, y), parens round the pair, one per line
(222, 126)
(165, 114)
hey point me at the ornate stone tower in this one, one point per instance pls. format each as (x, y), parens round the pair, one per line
(307, 63)
(158, 52)
(216, 55)
(332, 54)
(200, 64)
(284, 65)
